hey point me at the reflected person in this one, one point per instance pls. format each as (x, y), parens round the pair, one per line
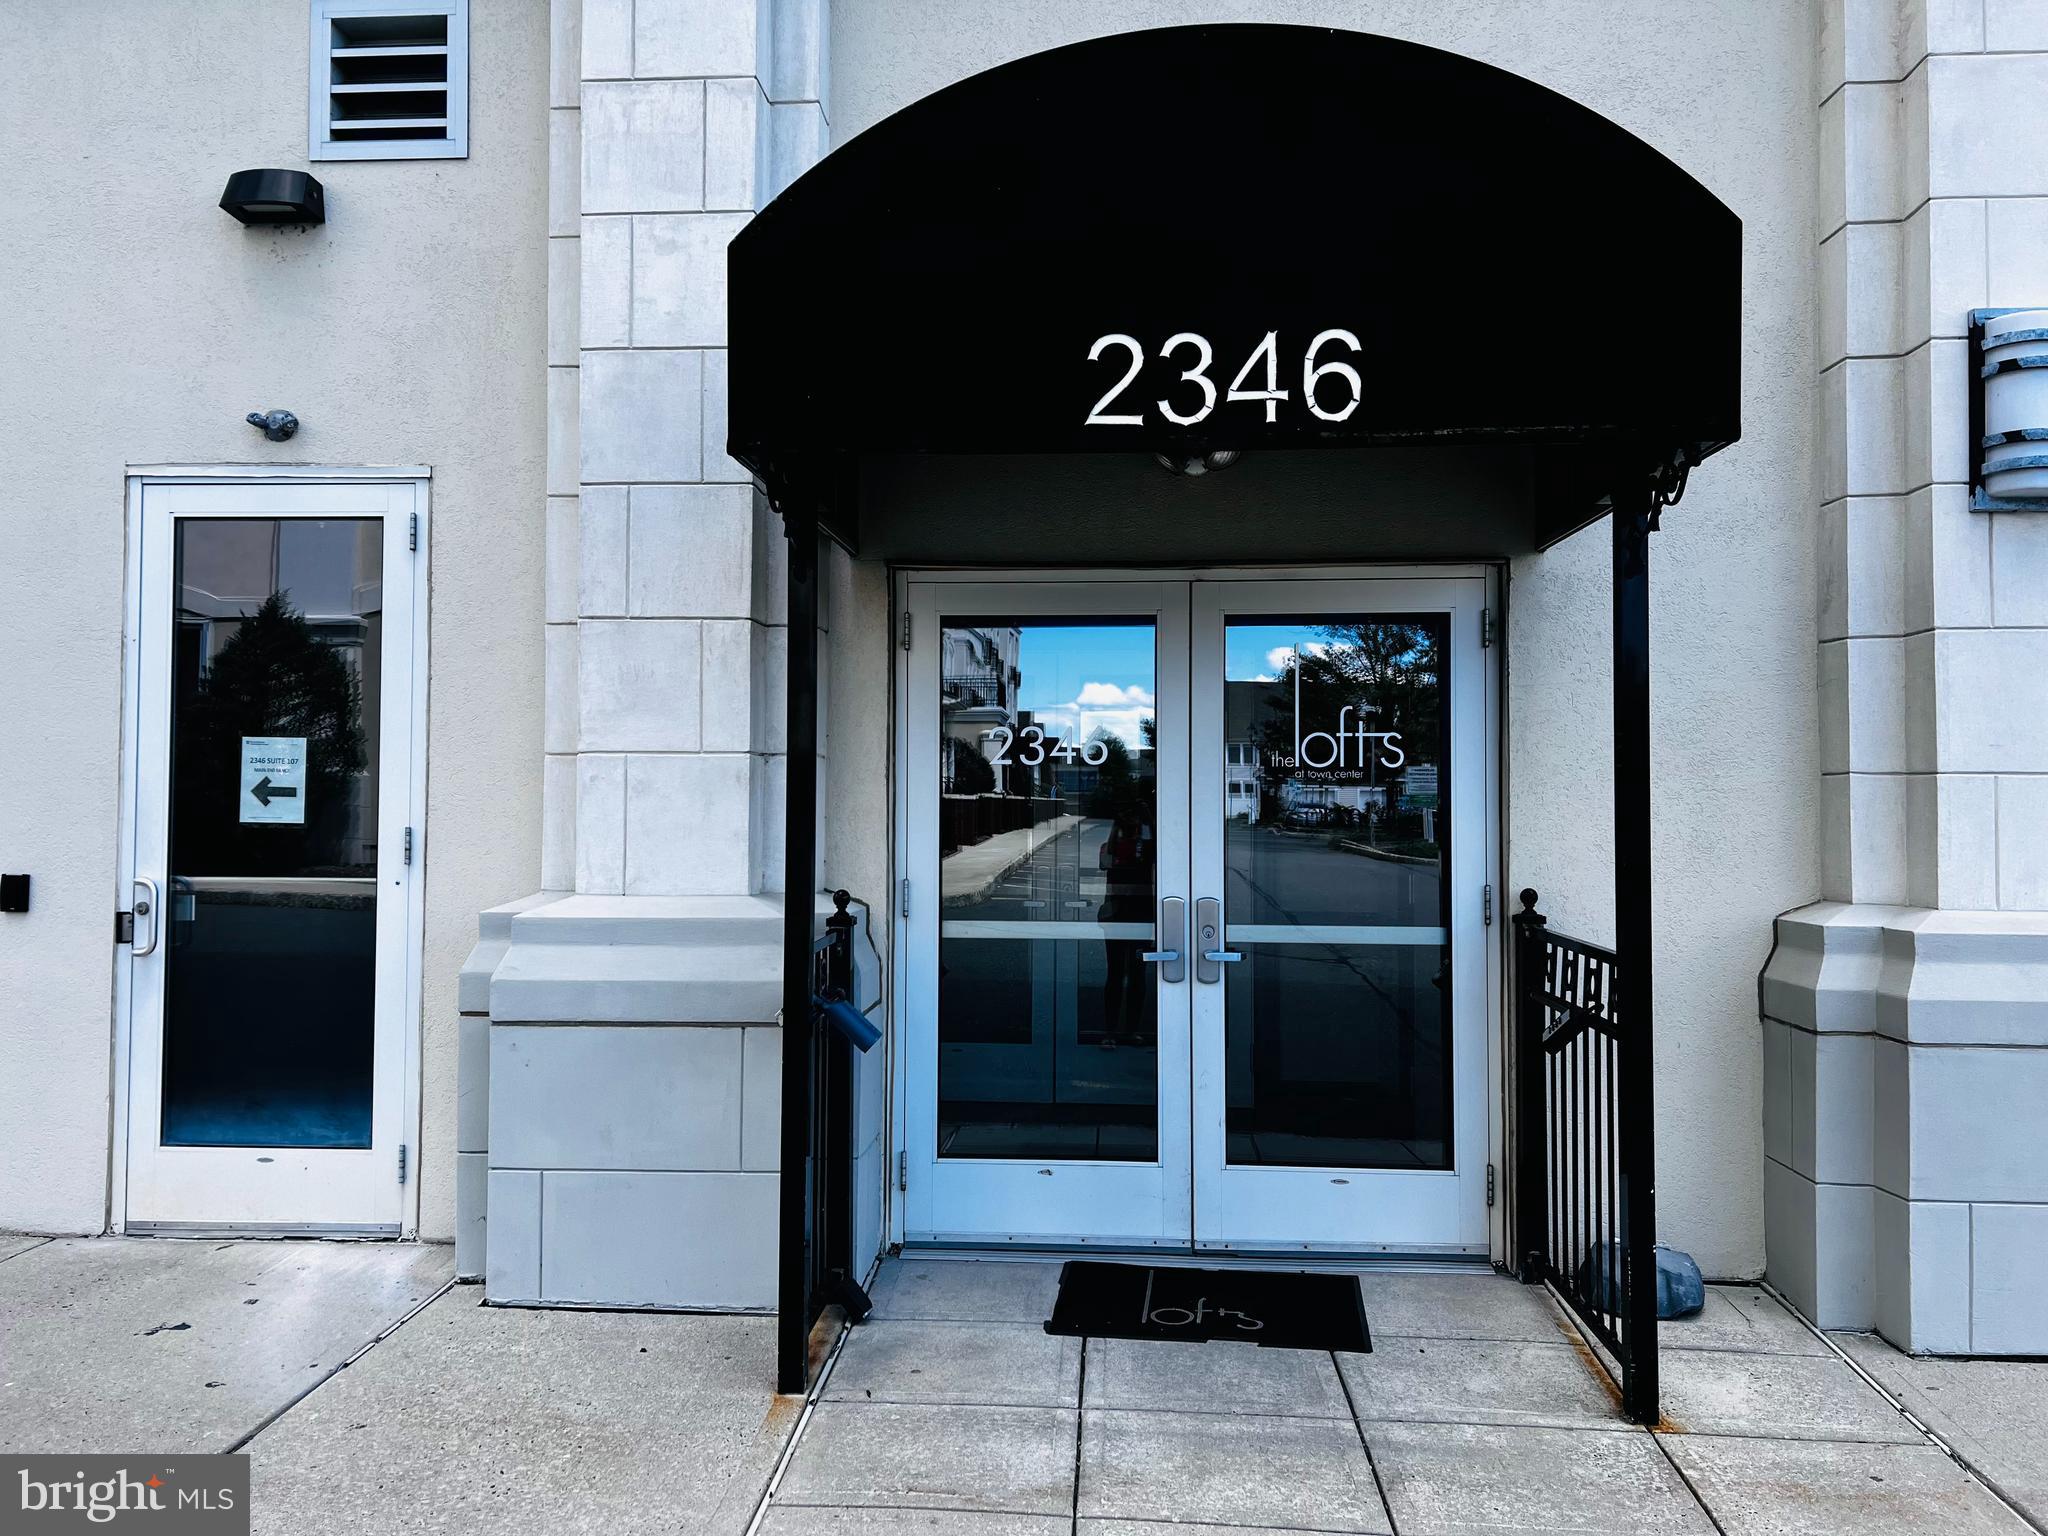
(1126, 858)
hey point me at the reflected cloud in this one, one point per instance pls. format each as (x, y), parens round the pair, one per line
(1110, 708)
(1281, 658)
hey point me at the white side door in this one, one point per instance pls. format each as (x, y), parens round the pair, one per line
(1046, 1032)
(1340, 782)
(274, 776)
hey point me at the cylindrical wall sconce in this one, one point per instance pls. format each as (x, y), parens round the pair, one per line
(2009, 410)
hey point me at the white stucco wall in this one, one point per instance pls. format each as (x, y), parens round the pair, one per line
(140, 324)
(1723, 87)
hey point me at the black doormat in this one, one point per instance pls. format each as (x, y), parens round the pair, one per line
(1281, 1309)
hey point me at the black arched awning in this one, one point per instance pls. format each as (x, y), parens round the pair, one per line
(1513, 266)
(1505, 267)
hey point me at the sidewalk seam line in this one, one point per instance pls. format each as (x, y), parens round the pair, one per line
(1371, 1462)
(1845, 1437)
(796, 1435)
(378, 1338)
(1080, 1429)
(1939, 1442)
(1697, 1497)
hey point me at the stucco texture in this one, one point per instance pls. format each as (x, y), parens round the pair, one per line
(1723, 87)
(141, 323)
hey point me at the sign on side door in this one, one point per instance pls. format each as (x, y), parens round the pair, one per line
(274, 779)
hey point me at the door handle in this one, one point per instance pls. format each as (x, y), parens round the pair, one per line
(147, 905)
(1210, 955)
(1168, 956)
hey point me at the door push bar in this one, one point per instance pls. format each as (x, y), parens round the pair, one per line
(1169, 957)
(1210, 955)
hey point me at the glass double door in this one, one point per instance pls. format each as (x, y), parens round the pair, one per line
(1195, 947)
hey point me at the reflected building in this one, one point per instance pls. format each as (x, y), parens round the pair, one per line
(279, 638)
(327, 581)
(978, 679)
(1047, 1019)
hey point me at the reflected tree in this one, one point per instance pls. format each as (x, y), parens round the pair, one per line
(274, 677)
(1393, 668)
(1119, 790)
(1382, 675)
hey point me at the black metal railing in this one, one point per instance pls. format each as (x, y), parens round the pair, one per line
(965, 820)
(829, 1272)
(971, 690)
(1585, 1153)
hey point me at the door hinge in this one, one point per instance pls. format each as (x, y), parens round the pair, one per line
(401, 1162)
(903, 905)
(906, 631)
(412, 533)
(1489, 1184)
(1485, 628)
(1486, 905)
(408, 845)
(903, 1170)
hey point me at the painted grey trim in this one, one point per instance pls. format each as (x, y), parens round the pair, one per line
(256, 1229)
(545, 1304)
(312, 474)
(1296, 933)
(970, 928)
(1020, 1250)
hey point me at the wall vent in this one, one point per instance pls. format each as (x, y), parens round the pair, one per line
(390, 80)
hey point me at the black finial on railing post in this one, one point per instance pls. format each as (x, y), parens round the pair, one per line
(1531, 1112)
(841, 925)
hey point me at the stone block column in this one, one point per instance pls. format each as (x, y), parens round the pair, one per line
(623, 1075)
(1906, 1015)
(666, 690)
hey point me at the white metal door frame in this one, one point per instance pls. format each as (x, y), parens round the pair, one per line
(1483, 1091)
(362, 1192)
(1312, 1208)
(1032, 1202)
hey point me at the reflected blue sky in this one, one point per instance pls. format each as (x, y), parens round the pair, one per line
(1078, 678)
(1083, 678)
(1059, 659)
(1248, 649)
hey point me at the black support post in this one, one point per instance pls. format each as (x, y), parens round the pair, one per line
(1532, 1130)
(799, 917)
(1634, 507)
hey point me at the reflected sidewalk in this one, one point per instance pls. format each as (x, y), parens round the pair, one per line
(971, 873)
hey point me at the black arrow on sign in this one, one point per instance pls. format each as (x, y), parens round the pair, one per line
(265, 791)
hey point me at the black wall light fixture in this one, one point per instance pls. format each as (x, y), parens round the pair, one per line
(275, 197)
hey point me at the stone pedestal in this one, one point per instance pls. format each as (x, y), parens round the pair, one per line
(1906, 1081)
(633, 1101)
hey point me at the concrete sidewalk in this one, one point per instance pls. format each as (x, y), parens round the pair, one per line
(159, 1344)
(372, 1396)
(953, 1413)
(485, 1419)
(968, 874)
